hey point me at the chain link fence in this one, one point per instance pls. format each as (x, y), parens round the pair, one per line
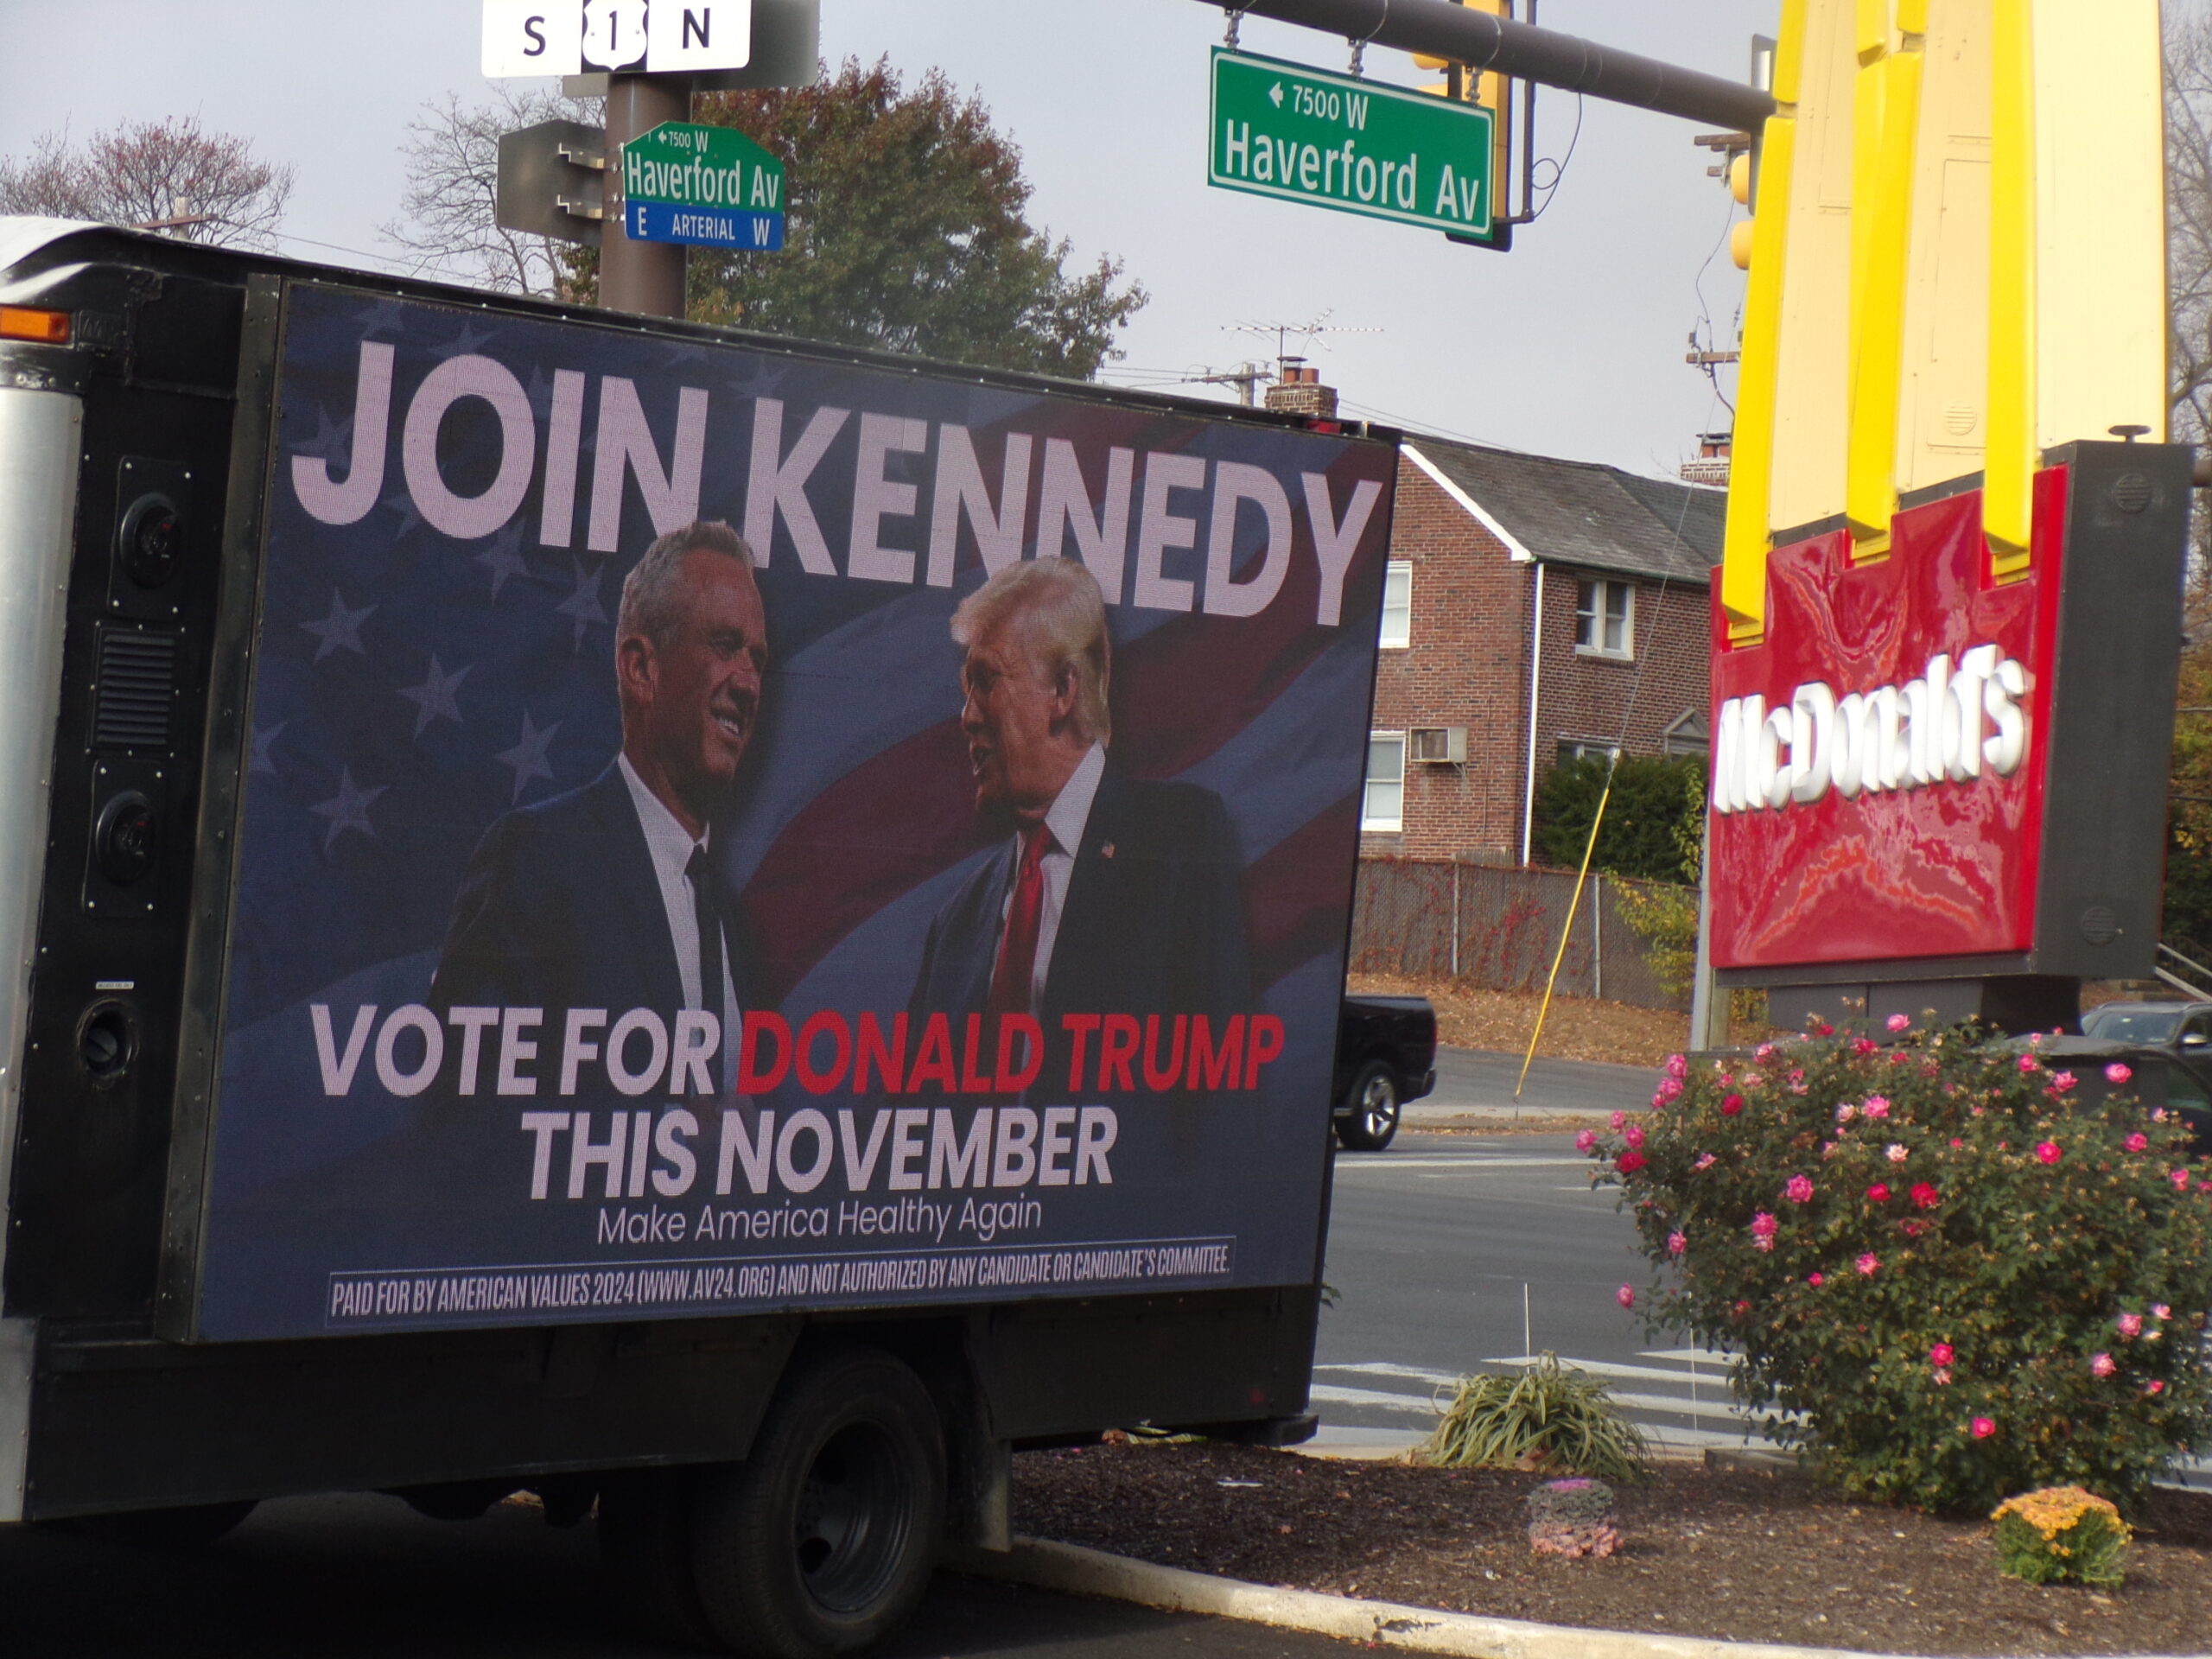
(1498, 928)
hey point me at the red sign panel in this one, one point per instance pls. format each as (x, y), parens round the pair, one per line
(1880, 758)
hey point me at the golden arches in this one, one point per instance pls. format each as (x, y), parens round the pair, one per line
(1957, 262)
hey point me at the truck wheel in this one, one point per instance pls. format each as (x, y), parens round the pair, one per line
(193, 1527)
(1373, 1122)
(644, 1548)
(821, 1541)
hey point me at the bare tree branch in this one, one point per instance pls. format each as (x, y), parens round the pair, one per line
(172, 175)
(446, 225)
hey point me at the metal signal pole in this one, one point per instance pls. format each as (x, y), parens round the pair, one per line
(644, 277)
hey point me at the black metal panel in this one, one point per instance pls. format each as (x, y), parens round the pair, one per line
(2112, 719)
(86, 1205)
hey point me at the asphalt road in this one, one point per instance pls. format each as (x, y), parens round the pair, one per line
(365, 1577)
(1474, 1078)
(1461, 1253)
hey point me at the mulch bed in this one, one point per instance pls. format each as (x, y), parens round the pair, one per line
(1745, 1556)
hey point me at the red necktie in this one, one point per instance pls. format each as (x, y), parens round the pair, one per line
(1017, 963)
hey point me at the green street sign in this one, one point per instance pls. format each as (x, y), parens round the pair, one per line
(689, 165)
(705, 186)
(1359, 146)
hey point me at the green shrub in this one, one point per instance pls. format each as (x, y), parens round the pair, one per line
(1643, 836)
(2061, 1534)
(1950, 1281)
(1550, 1417)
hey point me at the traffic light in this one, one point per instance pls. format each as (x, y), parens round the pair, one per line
(553, 181)
(1491, 92)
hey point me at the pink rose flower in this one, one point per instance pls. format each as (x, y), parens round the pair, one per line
(1730, 1104)
(1625, 1296)
(2180, 1179)
(1799, 1190)
(1676, 1243)
(1956, 1144)
(1633, 1134)
(1628, 1162)
(1898, 1022)
(2029, 1062)
(1942, 1376)
(1763, 1225)
(2138, 1141)
(1587, 1142)
(1677, 1066)
(1666, 1093)
(2154, 1385)
(1618, 1120)
(1864, 1045)
(1878, 1193)
(2047, 1152)
(1895, 1153)
(1816, 1279)
(2118, 1071)
(1705, 1161)
(1868, 1263)
(1983, 1427)
(2159, 1310)
(1763, 1244)
(2061, 1082)
(1925, 1196)
(1764, 1051)
(1876, 1106)
(1824, 1029)
(1941, 1354)
(2102, 1366)
(2130, 1324)
(1845, 1113)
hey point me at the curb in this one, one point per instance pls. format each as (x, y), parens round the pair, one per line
(1070, 1568)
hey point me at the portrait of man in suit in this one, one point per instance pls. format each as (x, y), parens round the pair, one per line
(607, 897)
(1110, 895)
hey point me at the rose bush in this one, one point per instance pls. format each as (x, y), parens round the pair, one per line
(1943, 1278)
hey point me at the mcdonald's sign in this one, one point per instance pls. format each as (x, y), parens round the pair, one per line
(1946, 630)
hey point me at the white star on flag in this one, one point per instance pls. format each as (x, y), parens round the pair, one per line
(504, 559)
(433, 698)
(262, 737)
(340, 630)
(528, 756)
(584, 605)
(348, 808)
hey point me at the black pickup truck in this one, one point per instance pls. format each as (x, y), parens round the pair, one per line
(1386, 1055)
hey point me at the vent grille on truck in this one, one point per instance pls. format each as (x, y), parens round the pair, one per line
(135, 689)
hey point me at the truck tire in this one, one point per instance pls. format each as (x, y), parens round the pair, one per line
(191, 1527)
(821, 1540)
(1372, 1123)
(644, 1548)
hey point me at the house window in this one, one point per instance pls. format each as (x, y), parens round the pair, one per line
(1398, 605)
(1384, 807)
(1604, 618)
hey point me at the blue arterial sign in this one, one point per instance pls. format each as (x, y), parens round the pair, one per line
(713, 228)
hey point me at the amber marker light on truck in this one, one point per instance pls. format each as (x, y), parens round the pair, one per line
(21, 323)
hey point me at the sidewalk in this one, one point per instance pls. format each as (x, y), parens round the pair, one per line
(1475, 1085)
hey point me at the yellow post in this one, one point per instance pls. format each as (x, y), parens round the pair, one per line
(2011, 455)
(1881, 220)
(1566, 932)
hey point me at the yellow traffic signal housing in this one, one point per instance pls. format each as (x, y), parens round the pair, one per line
(1490, 91)
(1956, 261)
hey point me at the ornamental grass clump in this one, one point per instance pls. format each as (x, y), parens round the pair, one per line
(2062, 1534)
(1572, 1517)
(1943, 1277)
(1550, 1418)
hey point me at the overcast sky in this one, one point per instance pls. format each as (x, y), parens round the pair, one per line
(1570, 345)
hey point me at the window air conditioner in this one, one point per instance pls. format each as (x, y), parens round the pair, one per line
(1440, 745)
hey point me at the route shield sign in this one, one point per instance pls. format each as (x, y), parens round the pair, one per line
(1359, 146)
(708, 187)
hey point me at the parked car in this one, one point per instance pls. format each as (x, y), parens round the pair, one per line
(2177, 1078)
(1386, 1055)
(2177, 1028)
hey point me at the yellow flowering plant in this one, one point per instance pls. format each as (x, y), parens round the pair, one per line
(2061, 1534)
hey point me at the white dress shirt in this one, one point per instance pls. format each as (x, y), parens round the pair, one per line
(671, 846)
(1064, 822)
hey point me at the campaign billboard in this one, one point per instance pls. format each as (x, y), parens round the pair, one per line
(727, 828)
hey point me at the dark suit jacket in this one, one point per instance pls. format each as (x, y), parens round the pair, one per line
(560, 909)
(1153, 921)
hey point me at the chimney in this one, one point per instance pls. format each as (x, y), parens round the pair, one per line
(1711, 465)
(1299, 392)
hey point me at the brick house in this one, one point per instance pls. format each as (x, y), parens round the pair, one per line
(1534, 606)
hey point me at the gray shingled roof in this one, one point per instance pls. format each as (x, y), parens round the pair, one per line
(1582, 513)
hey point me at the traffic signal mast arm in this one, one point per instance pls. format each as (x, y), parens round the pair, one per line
(1461, 34)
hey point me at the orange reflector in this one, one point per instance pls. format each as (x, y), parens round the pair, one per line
(20, 322)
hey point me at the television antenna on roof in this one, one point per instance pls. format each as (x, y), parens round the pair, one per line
(1306, 332)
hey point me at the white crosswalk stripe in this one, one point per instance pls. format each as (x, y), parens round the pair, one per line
(1681, 1402)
